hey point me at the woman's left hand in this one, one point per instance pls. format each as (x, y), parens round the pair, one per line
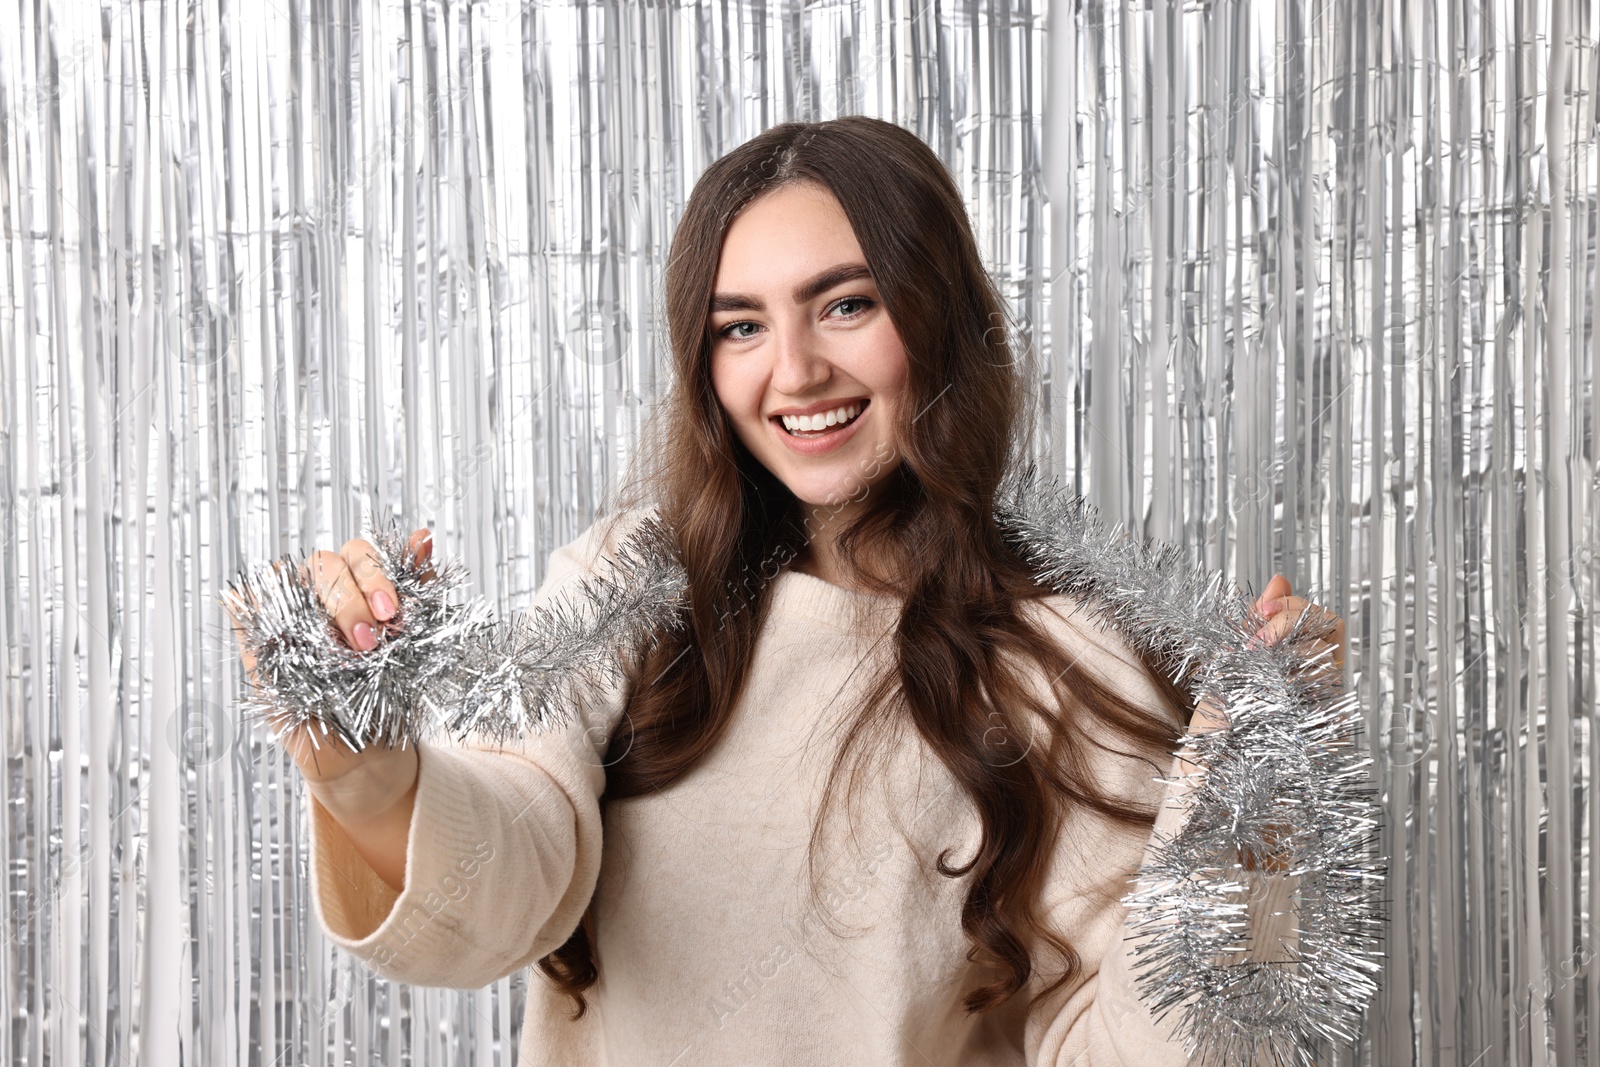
(1278, 609)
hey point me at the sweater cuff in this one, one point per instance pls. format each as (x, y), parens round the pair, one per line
(362, 913)
(1272, 921)
(1125, 1012)
(1272, 927)
(1127, 1015)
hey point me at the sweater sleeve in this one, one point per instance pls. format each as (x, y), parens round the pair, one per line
(1098, 1018)
(504, 846)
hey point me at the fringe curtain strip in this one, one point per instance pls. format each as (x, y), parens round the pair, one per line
(1312, 284)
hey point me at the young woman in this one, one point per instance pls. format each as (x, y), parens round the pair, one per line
(879, 802)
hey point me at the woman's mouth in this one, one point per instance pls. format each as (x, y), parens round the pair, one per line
(822, 422)
(813, 434)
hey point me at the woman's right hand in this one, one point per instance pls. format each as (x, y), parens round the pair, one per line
(370, 793)
(352, 587)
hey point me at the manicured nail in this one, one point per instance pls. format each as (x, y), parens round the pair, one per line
(382, 604)
(365, 639)
(1270, 608)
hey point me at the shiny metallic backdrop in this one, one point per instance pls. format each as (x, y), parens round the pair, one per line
(1313, 285)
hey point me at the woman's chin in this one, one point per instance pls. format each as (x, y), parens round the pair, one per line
(834, 497)
(846, 489)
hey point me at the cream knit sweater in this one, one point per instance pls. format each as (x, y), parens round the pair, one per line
(712, 949)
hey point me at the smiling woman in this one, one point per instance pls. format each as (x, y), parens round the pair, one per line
(862, 642)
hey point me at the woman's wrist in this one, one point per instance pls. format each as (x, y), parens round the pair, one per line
(370, 789)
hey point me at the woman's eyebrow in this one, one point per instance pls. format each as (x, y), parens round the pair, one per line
(805, 291)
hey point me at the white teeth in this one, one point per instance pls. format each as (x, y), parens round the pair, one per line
(822, 420)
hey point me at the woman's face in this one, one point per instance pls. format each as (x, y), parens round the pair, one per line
(798, 330)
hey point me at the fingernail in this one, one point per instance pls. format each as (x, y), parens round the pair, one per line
(365, 639)
(1271, 608)
(382, 604)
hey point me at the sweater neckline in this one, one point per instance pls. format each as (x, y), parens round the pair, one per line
(798, 593)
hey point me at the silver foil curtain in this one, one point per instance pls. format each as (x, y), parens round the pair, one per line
(1312, 283)
(1323, 299)
(271, 270)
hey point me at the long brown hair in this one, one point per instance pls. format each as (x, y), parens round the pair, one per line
(963, 642)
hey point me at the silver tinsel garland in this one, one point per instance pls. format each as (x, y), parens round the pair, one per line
(1286, 778)
(442, 666)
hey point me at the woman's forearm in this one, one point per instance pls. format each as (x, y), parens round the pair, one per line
(373, 803)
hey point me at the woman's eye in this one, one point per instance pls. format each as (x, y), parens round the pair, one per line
(851, 306)
(736, 330)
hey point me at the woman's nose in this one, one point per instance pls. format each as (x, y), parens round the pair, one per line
(797, 366)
